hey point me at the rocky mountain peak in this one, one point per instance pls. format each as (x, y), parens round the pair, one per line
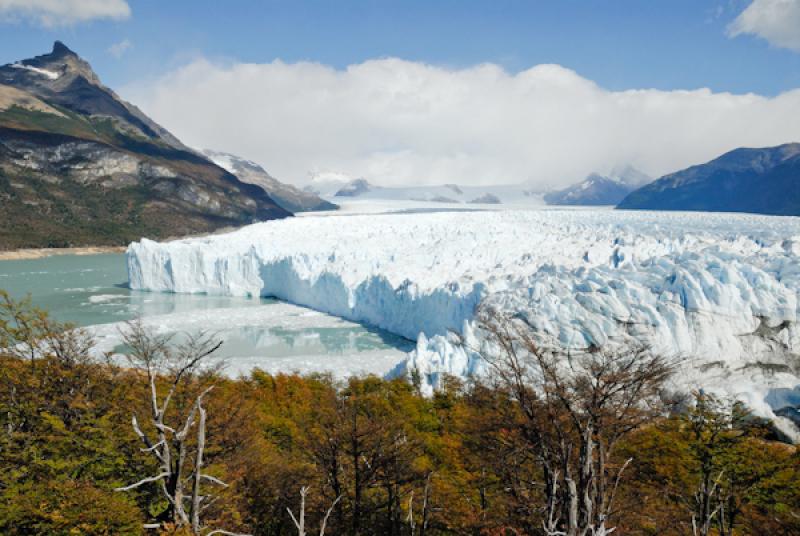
(63, 78)
(60, 49)
(54, 71)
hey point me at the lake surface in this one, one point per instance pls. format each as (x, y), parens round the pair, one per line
(91, 291)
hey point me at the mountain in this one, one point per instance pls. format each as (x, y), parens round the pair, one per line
(765, 181)
(354, 188)
(287, 196)
(598, 190)
(631, 176)
(338, 188)
(64, 79)
(80, 166)
(593, 190)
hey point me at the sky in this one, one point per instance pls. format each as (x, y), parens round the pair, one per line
(433, 91)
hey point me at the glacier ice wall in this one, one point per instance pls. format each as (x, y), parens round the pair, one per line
(720, 289)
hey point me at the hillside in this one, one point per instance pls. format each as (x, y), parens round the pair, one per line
(80, 166)
(764, 181)
(287, 196)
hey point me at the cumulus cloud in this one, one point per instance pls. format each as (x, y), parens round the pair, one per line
(399, 122)
(777, 21)
(119, 49)
(50, 13)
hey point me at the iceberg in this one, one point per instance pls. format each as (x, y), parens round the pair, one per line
(720, 290)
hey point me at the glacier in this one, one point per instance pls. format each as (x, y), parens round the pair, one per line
(720, 290)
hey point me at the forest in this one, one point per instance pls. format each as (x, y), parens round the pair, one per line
(548, 444)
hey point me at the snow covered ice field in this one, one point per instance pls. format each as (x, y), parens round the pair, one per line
(720, 290)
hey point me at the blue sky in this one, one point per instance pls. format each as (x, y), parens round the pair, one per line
(441, 91)
(664, 44)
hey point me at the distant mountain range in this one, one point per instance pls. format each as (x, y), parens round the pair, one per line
(765, 181)
(337, 188)
(355, 188)
(596, 189)
(80, 166)
(287, 196)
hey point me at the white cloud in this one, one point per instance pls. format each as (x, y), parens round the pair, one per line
(399, 122)
(777, 21)
(119, 49)
(50, 13)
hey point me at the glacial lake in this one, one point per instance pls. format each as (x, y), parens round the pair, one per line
(91, 291)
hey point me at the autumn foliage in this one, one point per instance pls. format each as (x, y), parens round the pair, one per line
(382, 458)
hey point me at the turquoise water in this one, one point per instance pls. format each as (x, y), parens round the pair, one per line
(91, 290)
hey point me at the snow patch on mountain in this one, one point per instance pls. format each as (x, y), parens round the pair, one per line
(44, 72)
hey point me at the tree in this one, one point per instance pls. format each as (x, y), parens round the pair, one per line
(717, 430)
(360, 440)
(29, 333)
(59, 453)
(576, 407)
(178, 452)
(710, 469)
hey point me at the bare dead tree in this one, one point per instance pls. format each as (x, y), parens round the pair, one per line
(410, 515)
(178, 452)
(576, 408)
(423, 525)
(300, 520)
(426, 495)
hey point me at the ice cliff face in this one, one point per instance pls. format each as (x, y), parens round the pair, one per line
(718, 289)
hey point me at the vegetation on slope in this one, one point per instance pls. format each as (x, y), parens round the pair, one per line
(467, 461)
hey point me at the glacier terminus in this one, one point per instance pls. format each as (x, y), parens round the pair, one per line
(719, 291)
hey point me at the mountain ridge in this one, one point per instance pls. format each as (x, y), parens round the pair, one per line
(762, 180)
(287, 196)
(79, 166)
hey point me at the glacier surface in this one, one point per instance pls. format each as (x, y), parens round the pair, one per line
(719, 289)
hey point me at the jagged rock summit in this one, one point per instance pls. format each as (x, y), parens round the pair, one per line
(65, 79)
(81, 166)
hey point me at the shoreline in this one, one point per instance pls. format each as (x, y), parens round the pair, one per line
(39, 253)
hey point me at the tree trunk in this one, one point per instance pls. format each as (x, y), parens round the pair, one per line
(198, 467)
